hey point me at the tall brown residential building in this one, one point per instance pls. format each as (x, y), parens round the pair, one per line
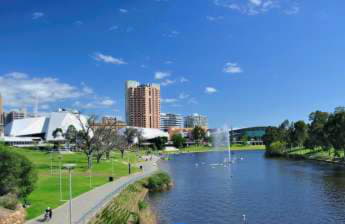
(142, 105)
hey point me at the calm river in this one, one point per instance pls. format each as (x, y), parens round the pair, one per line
(267, 191)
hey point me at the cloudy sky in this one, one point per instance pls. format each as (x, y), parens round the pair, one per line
(240, 62)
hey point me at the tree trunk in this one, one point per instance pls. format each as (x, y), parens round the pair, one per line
(89, 161)
(122, 153)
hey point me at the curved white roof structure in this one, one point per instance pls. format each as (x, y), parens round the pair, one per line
(148, 133)
(45, 126)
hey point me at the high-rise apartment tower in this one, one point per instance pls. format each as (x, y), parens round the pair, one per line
(142, 104)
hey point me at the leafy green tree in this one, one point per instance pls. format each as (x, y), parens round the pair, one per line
(317, 136)
(57, 133)
(159, 142)
(178, 140)
(277, 148)
(17, 174)
(335, 130)
(272, 134)
(71, 135)
(245, 139)
(300, 133)
(198, 134)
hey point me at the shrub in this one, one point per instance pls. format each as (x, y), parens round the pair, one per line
(17, 174)
(276, 149)
(9, 201)
(159, 182)
(142, 205)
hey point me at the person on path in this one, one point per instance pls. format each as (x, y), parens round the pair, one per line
(49, 214)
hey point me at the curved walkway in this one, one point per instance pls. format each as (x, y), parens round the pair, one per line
(85, 206)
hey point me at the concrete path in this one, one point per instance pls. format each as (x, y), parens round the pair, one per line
(85, 206)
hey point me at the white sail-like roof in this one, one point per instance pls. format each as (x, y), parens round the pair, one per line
(45, 125)
(28, 126)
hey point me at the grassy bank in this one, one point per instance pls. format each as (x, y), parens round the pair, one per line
(195, 149)
(47, 191)
(313, 154)
(130, 206)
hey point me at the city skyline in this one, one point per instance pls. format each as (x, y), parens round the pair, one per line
(254, 64)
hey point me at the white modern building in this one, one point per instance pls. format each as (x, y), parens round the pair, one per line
(194, 120)
(42, 128)
(169, 120)
(147, 133)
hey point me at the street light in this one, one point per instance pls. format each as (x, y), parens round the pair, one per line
(60, 179)
(70, 167)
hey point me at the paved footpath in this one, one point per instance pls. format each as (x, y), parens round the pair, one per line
(85, 206)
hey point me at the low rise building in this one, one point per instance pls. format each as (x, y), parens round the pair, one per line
(194, 120)
(169, 120)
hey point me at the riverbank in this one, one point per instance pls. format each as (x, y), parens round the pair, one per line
(311, 154)
(131, 206)
(197, 149)
(87, 205)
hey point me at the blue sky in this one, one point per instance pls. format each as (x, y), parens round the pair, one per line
(240, 62)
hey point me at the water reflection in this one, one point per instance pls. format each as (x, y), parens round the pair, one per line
(266, 190)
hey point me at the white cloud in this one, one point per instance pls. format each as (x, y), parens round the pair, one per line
(98, 103)
(162, 75)
(232, 68)
(183, 80)
(108, 59)
(86, 89)
(192, 100)
(19, 90)
(169, 100)
(112, 28)
(214, 18)
(210, 90)
(167, 82)
(123, 10)
(172, 34)
(255, 7)
(183, 96)
(293, 10)
(107, 102)
(78, 22)
(37, 15)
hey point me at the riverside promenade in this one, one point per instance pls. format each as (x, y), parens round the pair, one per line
(85, 206)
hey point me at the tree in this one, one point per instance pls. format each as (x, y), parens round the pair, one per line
(106, 139)
(159, 142)
(85, 138)
(178, 140)
(71, 135)
(275, 149)
(335, 130)
(300, 133)
(272, 134)
(317, 136)
(198, 134)
(17, 174)
(57, 133)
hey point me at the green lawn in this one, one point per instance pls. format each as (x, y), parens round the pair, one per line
(47, 192)
(192, 149)
(316, 154)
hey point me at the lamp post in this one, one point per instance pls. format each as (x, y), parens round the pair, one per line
(70, 167)
(60, 178)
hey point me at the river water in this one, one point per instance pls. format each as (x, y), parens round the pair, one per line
(267, 191)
